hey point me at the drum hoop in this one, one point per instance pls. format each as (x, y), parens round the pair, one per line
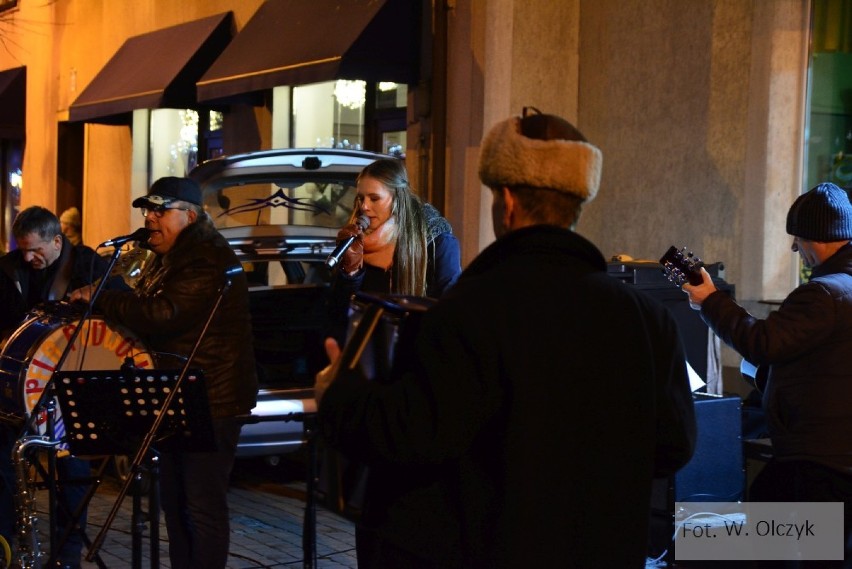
(19, 331)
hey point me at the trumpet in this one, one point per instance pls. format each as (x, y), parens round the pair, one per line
(131, 264)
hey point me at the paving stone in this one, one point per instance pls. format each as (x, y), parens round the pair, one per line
(266, 530)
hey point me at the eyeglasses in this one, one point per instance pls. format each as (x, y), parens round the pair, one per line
(159, 211)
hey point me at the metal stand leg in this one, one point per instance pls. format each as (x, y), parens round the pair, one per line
(309, 521)
(150, 518)
(154, 510)
(137, 524)
(309, 526)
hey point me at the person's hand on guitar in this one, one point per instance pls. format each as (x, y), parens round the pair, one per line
(697, 293)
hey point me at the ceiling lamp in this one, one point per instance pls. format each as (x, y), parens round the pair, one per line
(350, 94)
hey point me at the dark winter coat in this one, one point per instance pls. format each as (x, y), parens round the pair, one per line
(806, 344)
(543, 398)
(171, 304)
(76, 266)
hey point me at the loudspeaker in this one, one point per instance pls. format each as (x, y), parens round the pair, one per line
(716, 472)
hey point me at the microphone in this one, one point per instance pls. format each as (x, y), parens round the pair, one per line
(140, 234)
(363, 222)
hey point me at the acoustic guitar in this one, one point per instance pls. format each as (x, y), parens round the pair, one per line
(681, 266)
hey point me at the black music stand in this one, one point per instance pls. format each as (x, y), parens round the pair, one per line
(111, 411)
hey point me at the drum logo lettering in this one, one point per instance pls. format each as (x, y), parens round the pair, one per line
(97, 347)
(100, 335)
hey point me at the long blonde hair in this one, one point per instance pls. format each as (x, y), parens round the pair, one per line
(411, 235)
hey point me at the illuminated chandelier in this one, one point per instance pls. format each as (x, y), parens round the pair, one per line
(350, 94)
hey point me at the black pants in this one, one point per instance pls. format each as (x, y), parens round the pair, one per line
(73, 474)
(803, 481)
(194, 492)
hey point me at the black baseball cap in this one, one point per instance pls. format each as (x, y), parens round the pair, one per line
(169, 189)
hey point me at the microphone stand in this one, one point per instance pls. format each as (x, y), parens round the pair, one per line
(152, 432)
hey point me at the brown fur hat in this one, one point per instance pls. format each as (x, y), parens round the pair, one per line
(541, 151)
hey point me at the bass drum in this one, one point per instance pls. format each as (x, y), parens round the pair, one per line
(32, 352)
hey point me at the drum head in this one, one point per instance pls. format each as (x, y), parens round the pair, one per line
(41, 342)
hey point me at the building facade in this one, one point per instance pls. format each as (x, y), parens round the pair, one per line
(699, 107)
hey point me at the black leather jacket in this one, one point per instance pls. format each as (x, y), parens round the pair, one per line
(171, 304)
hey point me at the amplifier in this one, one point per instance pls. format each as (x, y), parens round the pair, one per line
(651, 272)
(648, 277)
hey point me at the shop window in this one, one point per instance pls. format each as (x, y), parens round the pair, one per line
(347, 114)
(329, 115)
(391, 101)
(391, 95)
(182, 138)
(828, 134)
(829, 129)
(11, 158)
(12, 186)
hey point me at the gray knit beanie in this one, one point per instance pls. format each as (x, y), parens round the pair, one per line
(822, 213)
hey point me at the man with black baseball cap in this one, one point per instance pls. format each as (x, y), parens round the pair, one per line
(168, 310)
(805, 346)
(543, 397)
(167, 195)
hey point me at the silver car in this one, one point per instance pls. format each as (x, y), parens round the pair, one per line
(280, 210)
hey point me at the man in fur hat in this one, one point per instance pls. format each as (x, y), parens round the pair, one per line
(544, 395)
(805, 347)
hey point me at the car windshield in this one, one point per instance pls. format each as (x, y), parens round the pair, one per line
(318, 202)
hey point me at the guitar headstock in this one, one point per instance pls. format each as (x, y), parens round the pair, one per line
(681, 266)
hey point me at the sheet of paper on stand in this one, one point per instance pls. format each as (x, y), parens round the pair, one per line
(695, 381)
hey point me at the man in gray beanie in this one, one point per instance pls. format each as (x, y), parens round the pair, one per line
(804, 349)
(543, 395)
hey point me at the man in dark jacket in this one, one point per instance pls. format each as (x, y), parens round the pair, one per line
(43, 268)
(544, 395)
(168, 310)
(805, 345)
